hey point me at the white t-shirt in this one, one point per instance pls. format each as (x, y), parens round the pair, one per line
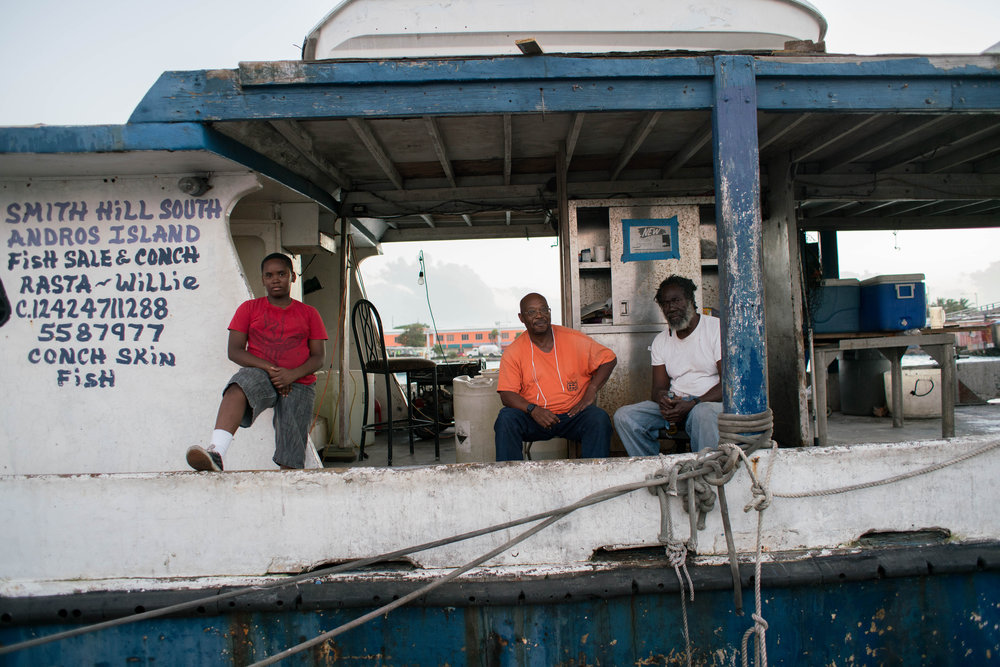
(690, 362)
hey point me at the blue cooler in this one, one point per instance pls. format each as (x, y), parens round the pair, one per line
(893, 303)
(837, 306)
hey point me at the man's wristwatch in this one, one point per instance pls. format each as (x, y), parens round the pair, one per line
(531, 406)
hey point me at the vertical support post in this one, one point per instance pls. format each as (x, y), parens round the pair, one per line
(565, 280)
(949, 382)
(829, 254)
(738, 219)
(343, 405)
(786, 368)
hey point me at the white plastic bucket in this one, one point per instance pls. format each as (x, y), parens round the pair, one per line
(921, 392)
(477, 404)
(937, 317)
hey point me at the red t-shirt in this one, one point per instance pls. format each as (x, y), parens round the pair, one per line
(279, 335)
(556, 379)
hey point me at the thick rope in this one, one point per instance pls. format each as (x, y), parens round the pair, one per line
(676, 552)
(760, 502)
(895, 478)
(734, 566)
(732, 429)
(692, 481)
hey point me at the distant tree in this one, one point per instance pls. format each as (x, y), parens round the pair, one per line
(413, 335)
(494, 336)
(951, 305)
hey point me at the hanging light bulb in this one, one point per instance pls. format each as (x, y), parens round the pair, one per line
(420, 278)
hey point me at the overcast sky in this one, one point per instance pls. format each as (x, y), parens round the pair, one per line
(90, 63)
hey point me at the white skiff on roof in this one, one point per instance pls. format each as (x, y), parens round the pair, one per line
(417, 28)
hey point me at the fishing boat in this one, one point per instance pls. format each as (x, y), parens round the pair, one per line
(128, 247)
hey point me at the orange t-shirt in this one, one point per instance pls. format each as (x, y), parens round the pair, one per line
(556, 379)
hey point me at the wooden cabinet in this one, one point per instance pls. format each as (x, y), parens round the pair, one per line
(646, 241)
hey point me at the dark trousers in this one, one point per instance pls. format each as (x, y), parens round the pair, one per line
(591, 427)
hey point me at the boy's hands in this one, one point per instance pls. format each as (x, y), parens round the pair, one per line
(282, 379)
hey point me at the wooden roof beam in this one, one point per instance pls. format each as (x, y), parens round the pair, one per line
(694, 144)
(820, 210)
(909, 207)
(901, 132)
(971, 129)
(869, 223)
(984, 207)
(508, 143)
(835, 134)
(434, 132)
(781, 126)
(899, 187)
(634, 141)
(941, 208)
(871, 206)
(973, 151)
(299, 137)
(374, 146)
(573, 136)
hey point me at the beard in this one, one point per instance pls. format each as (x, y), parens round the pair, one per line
(682, 321)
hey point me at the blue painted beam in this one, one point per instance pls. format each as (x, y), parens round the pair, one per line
(467, 70)
(171, 137)
(55, 139)
(184, 97)
(394, 88)
(738, 219)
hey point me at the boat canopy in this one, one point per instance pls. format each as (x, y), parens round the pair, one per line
(414, 28)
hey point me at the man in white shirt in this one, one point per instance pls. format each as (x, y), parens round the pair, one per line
(687, 376)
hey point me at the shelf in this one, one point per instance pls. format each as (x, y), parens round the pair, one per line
(621, 328)
(710, 262)
(595, 266)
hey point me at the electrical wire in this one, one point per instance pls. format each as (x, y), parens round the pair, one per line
(423, 272)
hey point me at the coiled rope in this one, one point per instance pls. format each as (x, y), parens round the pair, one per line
(692, 482)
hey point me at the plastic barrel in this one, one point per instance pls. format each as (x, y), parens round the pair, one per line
(921, 392)
(477, 404)
(862, 388)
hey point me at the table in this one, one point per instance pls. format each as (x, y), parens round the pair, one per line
(424, 389)
(940, 346)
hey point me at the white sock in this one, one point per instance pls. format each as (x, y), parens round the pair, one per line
(221, 439)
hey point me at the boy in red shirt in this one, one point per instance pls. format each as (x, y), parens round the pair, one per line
(280, 343)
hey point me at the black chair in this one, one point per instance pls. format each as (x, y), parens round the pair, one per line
(370, 341)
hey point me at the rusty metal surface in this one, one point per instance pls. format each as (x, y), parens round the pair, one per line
(916, 619)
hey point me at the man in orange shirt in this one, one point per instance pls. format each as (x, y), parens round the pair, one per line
(549, 380)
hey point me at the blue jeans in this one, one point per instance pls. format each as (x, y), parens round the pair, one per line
(639, 423)
(591, 427)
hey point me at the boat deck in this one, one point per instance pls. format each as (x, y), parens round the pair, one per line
(842, 430)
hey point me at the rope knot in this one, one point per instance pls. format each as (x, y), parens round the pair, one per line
(676, 553)
(761, 497)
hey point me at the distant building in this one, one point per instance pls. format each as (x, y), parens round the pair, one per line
(459, 341)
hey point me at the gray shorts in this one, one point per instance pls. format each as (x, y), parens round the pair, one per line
(292, 413)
